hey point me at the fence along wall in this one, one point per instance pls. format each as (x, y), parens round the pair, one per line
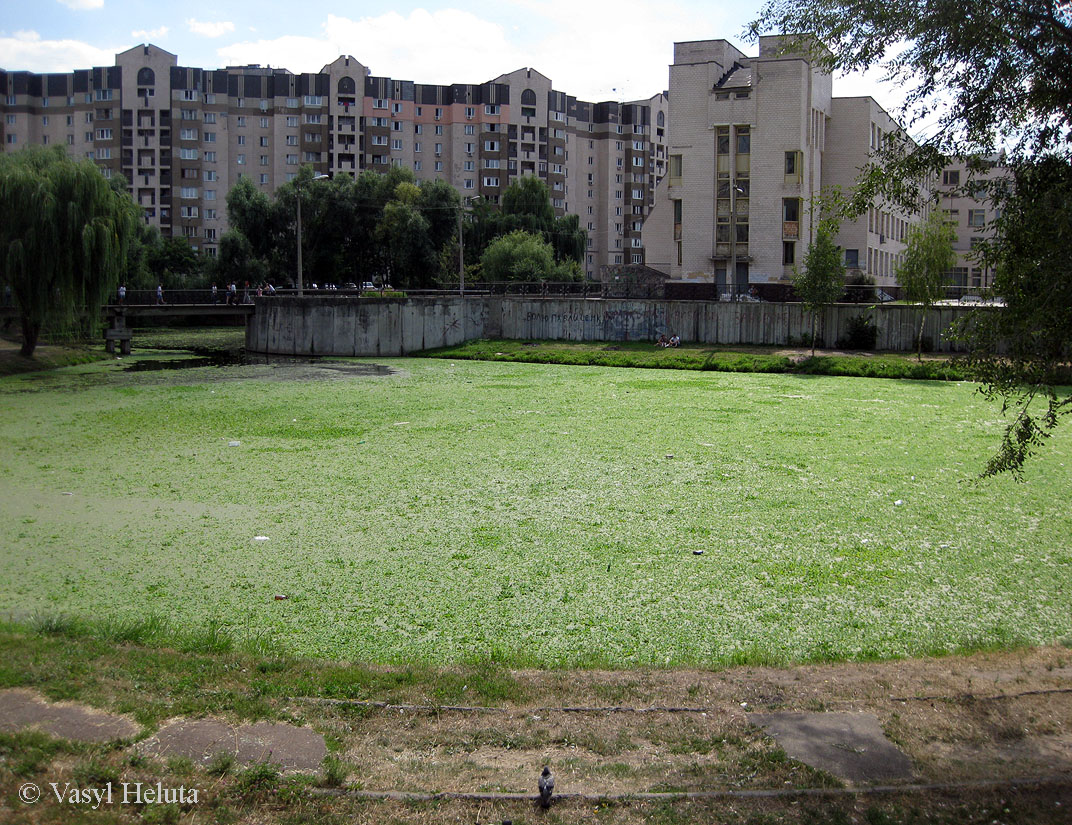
(370, 327)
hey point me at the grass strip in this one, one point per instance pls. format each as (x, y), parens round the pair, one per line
(704, 358)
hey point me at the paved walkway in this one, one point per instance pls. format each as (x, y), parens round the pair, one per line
(289, 746)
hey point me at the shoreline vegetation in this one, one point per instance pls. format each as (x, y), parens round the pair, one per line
(729, 358)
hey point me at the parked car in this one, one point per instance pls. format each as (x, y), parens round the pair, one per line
(368, 285)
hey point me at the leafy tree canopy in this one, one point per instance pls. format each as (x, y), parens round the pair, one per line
(981, 78)
(822, 280)
(1023, 352)
(928, 258)
(518, 256)
(64, 237)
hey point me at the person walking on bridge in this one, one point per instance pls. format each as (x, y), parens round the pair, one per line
(159, 294)
(122, 294)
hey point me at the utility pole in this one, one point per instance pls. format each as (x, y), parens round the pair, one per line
(461, 254)
(297, 188)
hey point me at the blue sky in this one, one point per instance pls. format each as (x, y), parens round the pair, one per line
(594, 49)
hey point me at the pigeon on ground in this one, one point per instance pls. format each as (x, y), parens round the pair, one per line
(547, 787)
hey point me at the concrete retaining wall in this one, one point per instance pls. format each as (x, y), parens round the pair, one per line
(384, 326)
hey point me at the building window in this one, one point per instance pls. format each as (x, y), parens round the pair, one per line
(292, 121)
(313, 100)
(951, 177)
(396, 144)
(264, 160)
(788, 253)
(241, 140)
(852, 258)
(210, 137)
(264, 141)
(210, 157)
(468, 184)
(240, 159)
(188, 154)
(744, 140)
(416, 166)
(292, 160)
(439, 166)
(264, 179)
(977, 218)
(188, 192)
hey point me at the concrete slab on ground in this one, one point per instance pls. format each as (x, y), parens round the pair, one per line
(289, 746)
(22, 709)
(851, 746)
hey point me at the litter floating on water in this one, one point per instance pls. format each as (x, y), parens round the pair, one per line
(279, 597)
(669, 455)
(260, 538)
(898, 503)
(234, 443)
(68, 494)
(697, 552)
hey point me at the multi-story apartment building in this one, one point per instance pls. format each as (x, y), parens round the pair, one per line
(964, 195)
(753, 143)
(182, 136)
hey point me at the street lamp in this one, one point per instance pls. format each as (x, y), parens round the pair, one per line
(297, 186)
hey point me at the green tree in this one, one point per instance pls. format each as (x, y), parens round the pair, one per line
(1023, 351)
(822, 280)
(528, 199)
(928, 258)
(404, 233)
(518, 256)
(64, 234)
(982, 77)
(174, 264)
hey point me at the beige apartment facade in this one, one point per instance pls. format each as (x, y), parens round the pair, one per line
(964, 195)
(182, 136)
(753, 144)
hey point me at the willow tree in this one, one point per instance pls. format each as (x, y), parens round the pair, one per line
(64, 234)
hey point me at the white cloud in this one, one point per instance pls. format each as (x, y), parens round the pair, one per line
(585, 59)
(209, 29)
(447, 46)
(83, 5)
(26, 51)
(598, 56)
(150, 34)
